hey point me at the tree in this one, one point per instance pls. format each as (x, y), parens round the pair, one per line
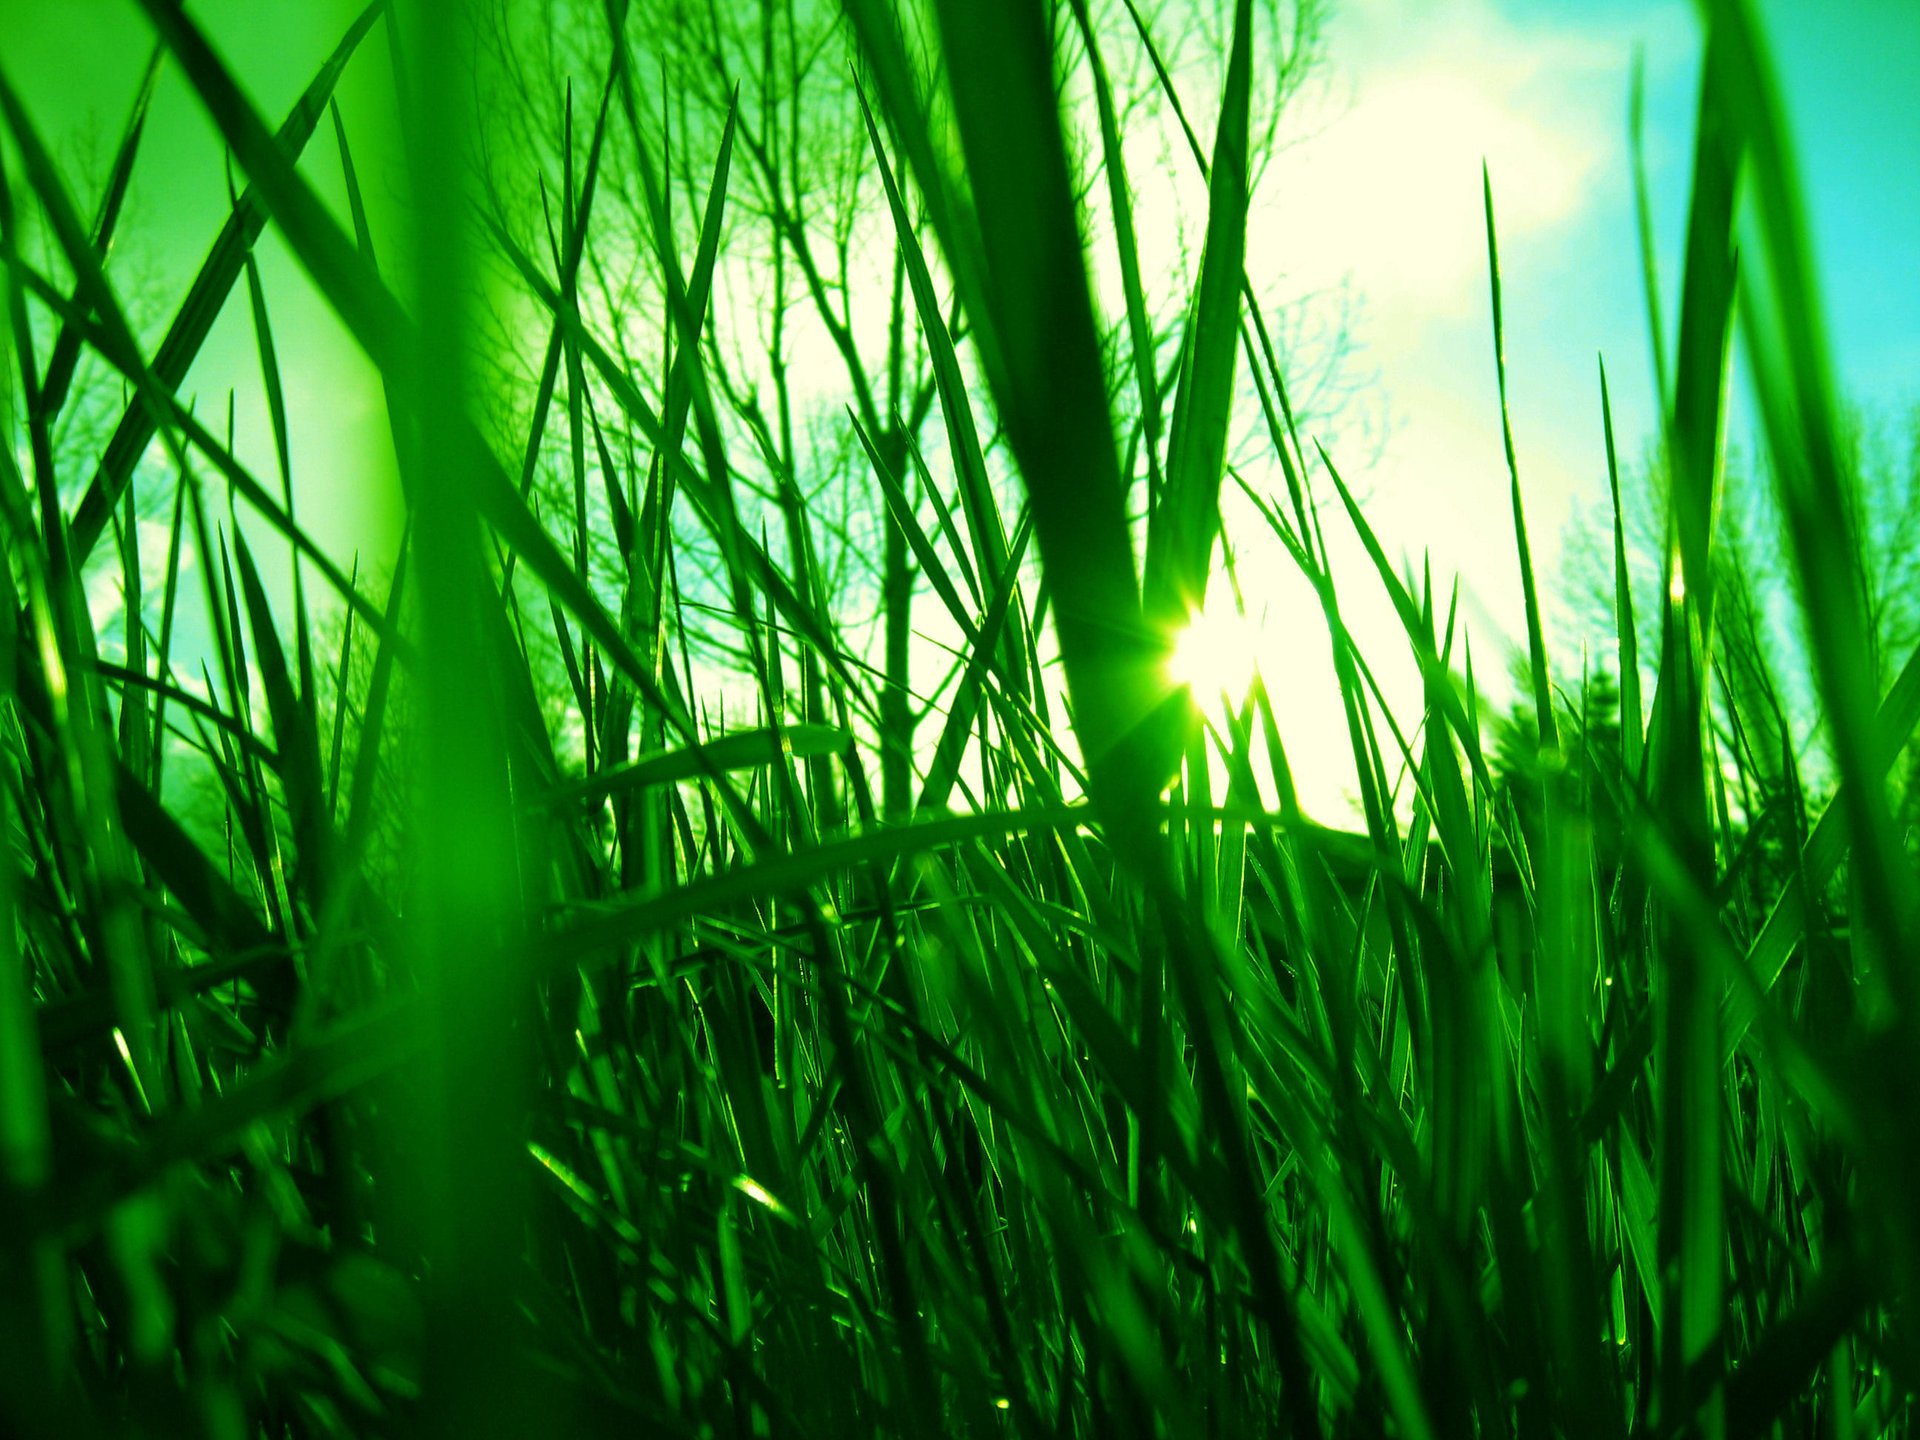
(817, 356)
(1586, 769)
(1761, 628)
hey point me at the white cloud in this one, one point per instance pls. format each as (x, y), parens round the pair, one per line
(1388, 193)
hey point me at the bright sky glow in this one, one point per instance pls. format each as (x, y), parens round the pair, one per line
(1216, 654)
(1383, 193)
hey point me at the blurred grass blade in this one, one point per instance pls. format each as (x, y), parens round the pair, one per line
(1692, 1235)
(1049, 389)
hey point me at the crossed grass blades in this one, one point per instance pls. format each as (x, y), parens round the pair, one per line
(669, 1086)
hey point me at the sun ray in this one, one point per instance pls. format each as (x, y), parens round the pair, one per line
(1216, 654)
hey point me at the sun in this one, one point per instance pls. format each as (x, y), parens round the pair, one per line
(1218, 653)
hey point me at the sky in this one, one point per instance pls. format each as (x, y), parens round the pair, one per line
(1385, 195)
(1377, 191)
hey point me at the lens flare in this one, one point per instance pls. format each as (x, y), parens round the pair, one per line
(1217, 654)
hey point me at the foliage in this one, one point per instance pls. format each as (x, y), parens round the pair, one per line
(685, 1078)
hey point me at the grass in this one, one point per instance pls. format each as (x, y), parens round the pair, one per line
(534, 1046)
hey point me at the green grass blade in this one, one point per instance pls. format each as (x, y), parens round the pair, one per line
(1536, 635)
(66, 346)
(1691, 1241)
(194, 320)
(295, 739)
(963, 439)
(1183, 527)
(1632, 718)
(1146, 371)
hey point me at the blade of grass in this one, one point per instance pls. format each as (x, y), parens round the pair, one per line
(1049, 389)
(1691, 1240)
(1536, 635)
(1632, 720)
(66, 346)
(208, 294)
(1183, 526)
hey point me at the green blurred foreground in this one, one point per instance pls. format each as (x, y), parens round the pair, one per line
(527, 1047)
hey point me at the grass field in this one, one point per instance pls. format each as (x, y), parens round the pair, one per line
(531, 1043)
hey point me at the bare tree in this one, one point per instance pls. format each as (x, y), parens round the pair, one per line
(816, 346)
